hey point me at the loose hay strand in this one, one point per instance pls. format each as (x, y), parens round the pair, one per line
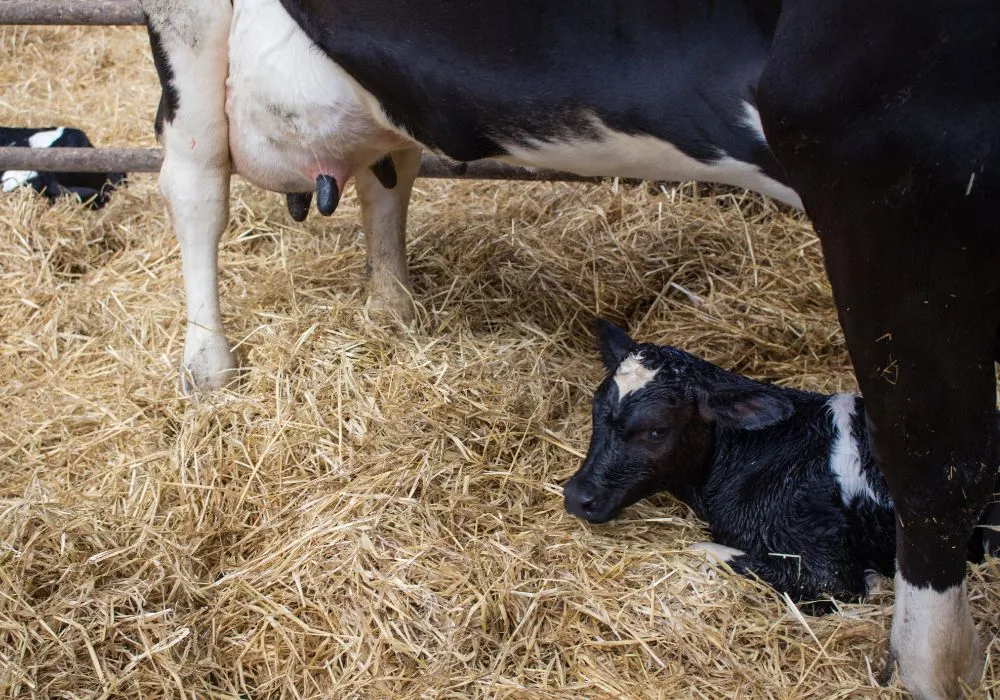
(376, 512)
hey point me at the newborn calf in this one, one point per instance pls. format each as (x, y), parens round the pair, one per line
(785, 479)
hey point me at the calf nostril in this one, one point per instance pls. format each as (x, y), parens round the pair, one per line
(580, 501)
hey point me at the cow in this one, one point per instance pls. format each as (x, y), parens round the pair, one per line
(883, 124)
(93, 189)
(785, 479)
(245, 90)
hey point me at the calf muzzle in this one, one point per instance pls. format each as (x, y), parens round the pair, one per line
(584, 501)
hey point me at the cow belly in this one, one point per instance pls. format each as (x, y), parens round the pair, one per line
(604, 151)
(293, 113)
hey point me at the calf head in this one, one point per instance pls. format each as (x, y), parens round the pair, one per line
(655, 420)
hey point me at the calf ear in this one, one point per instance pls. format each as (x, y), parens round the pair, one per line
(612, 342)
(750, 408)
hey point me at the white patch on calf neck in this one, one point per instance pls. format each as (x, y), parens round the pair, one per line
(934, 640)
(845, 458)
(632, 375)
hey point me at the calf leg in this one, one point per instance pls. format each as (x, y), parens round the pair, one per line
(383, 211)
(189, 41)
(812, 582)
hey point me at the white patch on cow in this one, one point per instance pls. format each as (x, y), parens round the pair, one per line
(632, 375)
(934, 640)
(44, 139)
(12, 179)
(751, 119)
(604, 151)
(845, 459)
(715, 552)
(293, 112)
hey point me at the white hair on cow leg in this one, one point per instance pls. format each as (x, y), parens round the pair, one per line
(195, 175)
(44, 139)
(715, 552)
(934, 640)
(632, 375)
(845, 458)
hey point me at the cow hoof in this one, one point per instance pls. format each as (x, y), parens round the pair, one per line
(208, 362)
(934, 641)
(390, 300)
(399, 308)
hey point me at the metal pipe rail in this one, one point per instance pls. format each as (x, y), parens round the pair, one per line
(89, 12)
(148, 160)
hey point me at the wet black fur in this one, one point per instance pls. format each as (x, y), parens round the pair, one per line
(767, 490)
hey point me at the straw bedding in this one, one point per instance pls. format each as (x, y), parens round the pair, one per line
(376, 511)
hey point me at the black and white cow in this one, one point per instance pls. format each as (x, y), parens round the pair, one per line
(246, 90)
(93, 189)
(885, 123)
(785, 479)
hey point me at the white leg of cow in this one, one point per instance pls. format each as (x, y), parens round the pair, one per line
(933, 640)
(190, 40)
(383, 212)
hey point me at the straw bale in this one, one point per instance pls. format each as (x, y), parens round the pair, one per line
(376, 511)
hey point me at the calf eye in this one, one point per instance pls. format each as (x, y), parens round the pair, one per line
(657, 434)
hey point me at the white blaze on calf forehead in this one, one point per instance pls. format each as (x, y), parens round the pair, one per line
(632, 375)
(934, 639)
(845, 458)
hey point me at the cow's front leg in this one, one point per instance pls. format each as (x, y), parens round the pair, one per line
(921, 348)
(189, 42)
(383, 212)
(905, 210)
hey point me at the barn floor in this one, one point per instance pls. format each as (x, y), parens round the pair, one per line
(376, 511)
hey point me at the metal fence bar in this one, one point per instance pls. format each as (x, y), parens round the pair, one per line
(148, 160)
(92, 12)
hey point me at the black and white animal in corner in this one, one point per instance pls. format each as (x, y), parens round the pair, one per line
(785, 479)
(93, 189)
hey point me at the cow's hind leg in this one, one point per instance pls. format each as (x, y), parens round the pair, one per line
(383, 211)
(189, 41)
